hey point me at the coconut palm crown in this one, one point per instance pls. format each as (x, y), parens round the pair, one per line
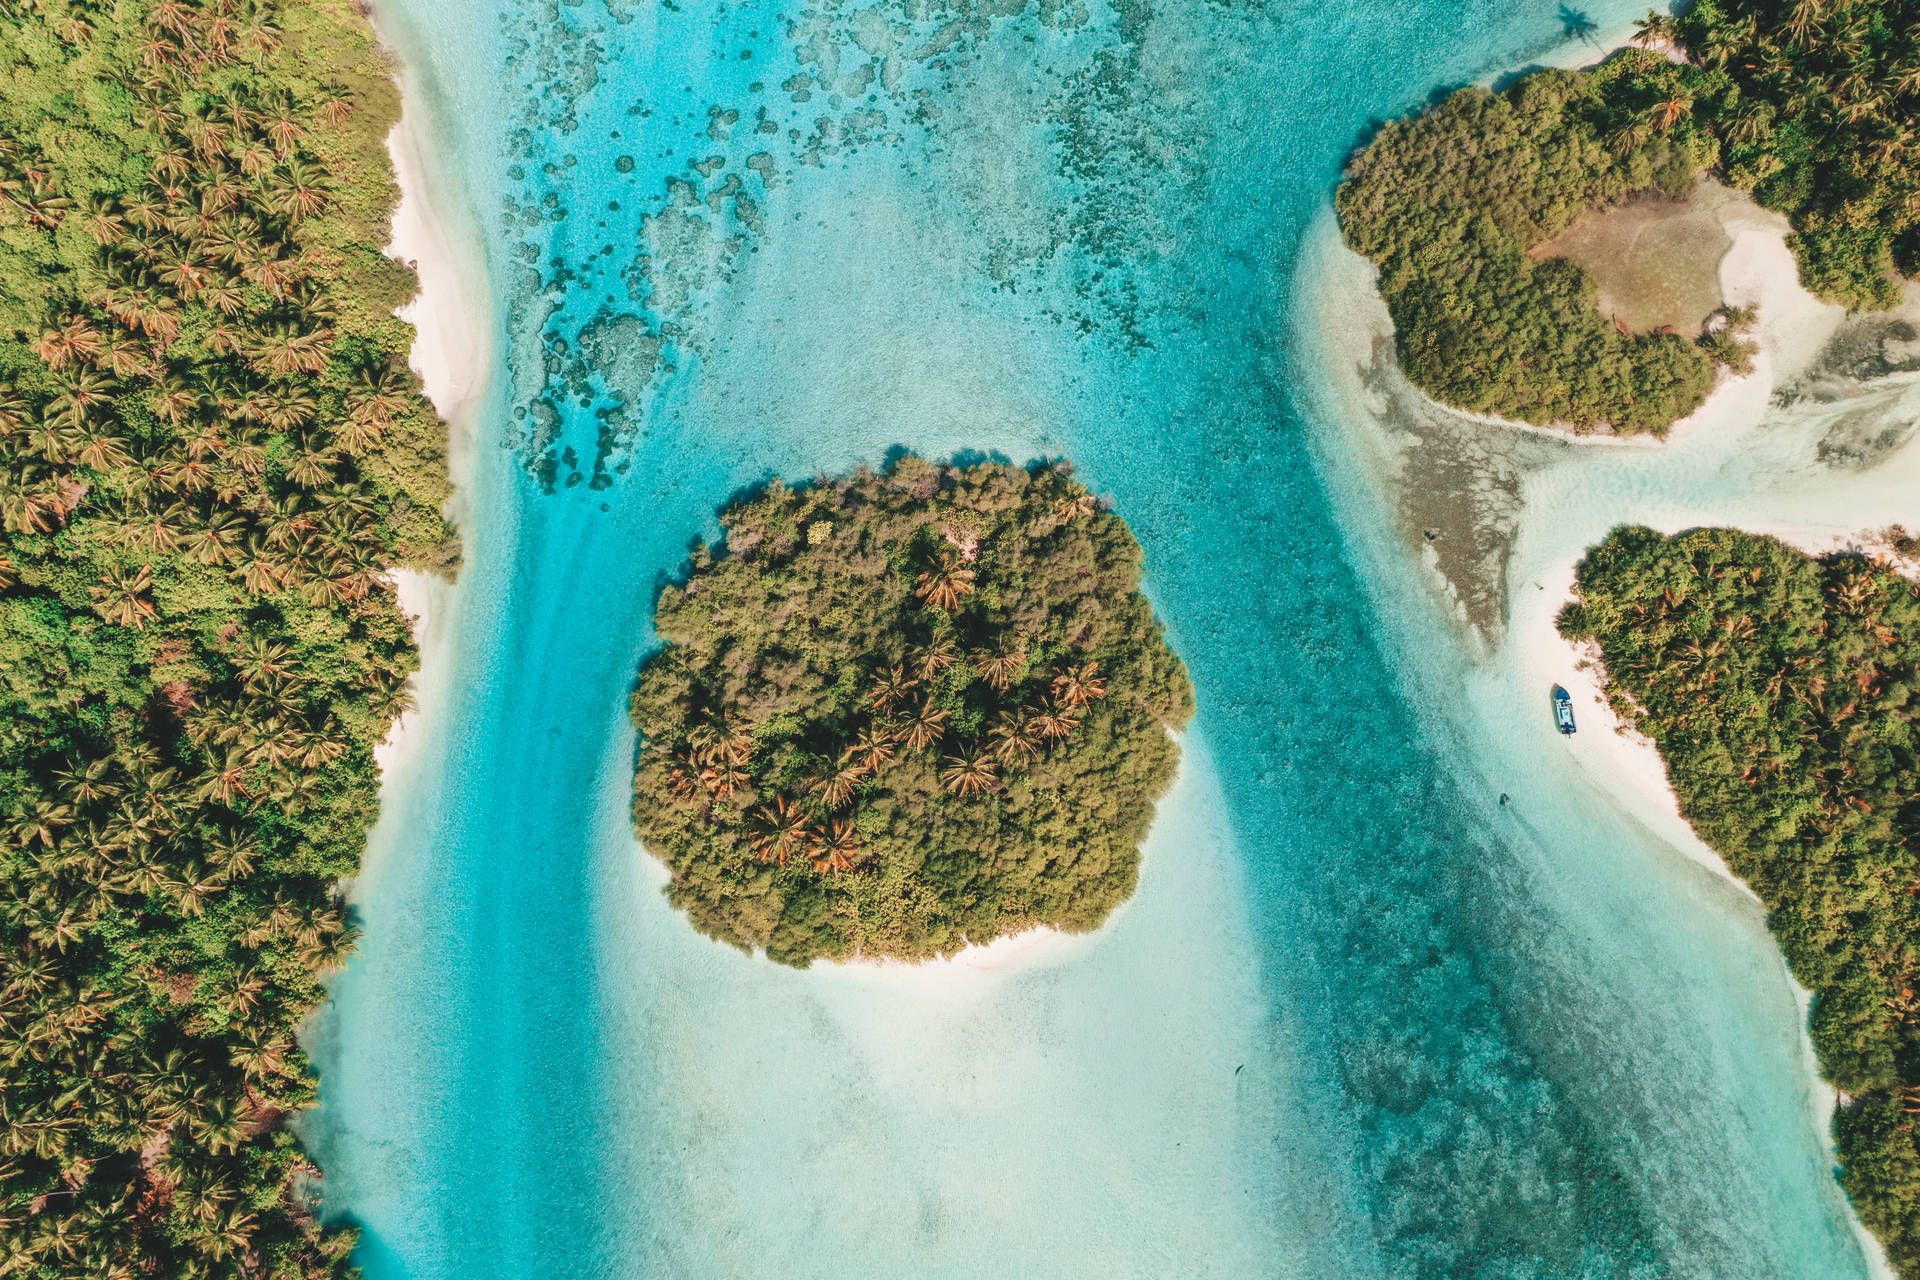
(950, 704)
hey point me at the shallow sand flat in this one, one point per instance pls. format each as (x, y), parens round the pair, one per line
(1757, 456)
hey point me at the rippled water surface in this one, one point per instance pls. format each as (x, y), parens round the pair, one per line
(1361, 1020)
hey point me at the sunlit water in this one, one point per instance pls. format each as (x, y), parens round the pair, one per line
(1360, 1020)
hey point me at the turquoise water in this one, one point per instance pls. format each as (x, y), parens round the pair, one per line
(1360, 1020)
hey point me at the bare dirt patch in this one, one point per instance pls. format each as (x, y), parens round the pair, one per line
(1657, 260)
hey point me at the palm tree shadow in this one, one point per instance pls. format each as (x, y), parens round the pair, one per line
(1576, 25)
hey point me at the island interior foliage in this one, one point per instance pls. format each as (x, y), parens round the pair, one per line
(906, 711)
(1812, 106)
(212, 446)
(1782, 692)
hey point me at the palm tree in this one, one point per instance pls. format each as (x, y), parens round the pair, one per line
(153, 532)
(1077, 686)
(1654, 31)
(103, 220)
(837, 849)
(723, 778)
(84, 782)
(942, 585)
(284, 128)
(26, 503)
(1076, 504)
(1052, 723)
(285, 349)
(213, 542)
(233, 855)
(41, 819)
(259, 569)
(967, 773)
(100, 450)
(936, 656)
(335, 104)
(890, 688)
(228, 1235)
(1750, 126)
(225, 778)
(1804, 22)
(78, 395)
(297, 190)
(1012, 741)
(925, 726)
(258, 1054)
(172, 15)
(330, 952)
(836, 790)
(871, 751)
(120, 599)
(1001, 667)
(714, 741)
(312, 469)
(1630, 136)
(1672, 109)
(780, 831)
(16, 414)
(286, 406)
(125, 355)
(380, 393)
(76, 339)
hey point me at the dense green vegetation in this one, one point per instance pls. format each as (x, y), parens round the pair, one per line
(1810, 105)
(1782, 693)
(1447, 203)
(906, 711)
(1817, 107)
(209, 448)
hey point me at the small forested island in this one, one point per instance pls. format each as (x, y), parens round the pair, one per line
(905, 712)
(1782, 691)
(1476, 212)
(212, 451)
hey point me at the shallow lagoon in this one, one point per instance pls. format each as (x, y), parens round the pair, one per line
(1361, 1020)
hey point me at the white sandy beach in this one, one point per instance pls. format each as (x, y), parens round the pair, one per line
(1035, 949)
(451, 354)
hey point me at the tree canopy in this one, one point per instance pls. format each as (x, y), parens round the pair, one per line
(1816, 104)
(1810, 105)
(904, 712)
(210, 450)
(1782, 691)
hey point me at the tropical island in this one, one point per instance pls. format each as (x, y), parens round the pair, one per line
(1781, 691)
(213, 453)
(1537, 248)
(904, 712)
(1495, 219)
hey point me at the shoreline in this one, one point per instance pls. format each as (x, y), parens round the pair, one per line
(1740, 460)
(1758, 270)
(1040, 947)
(451, 357)
(1628, 767)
